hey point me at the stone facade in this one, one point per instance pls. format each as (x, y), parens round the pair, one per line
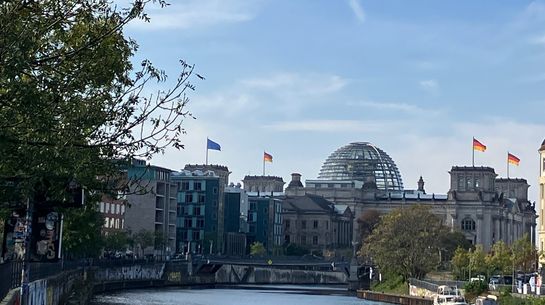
(263, 184)
(473, 204)
(315, 223)
(541, 227)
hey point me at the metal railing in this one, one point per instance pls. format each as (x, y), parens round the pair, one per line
(10, 277)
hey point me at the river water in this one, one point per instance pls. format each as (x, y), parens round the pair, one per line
(250, 295)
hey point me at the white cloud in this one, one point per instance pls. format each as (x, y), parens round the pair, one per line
(198, 14)
(297, 84)
(429, 85)
(329, 126)
(401, 107)
(356, 7)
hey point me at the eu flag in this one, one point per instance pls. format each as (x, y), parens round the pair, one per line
(212, 145)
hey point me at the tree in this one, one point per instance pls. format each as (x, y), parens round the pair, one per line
(142, 240)
(82, 235)
(72, 105)
(367, 222)
(71, 100)
(117, 241)
(524, 254)
(257, 249)
(460, 263)
(500, 259)
(450, 241)
(405, 242)
(477, 261)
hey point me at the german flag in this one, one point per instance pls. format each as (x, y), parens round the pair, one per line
(267, 157)
(512, 159)
(478, 145)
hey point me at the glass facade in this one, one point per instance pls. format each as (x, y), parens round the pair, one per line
(364, 162)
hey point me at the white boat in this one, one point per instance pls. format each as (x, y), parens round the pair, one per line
(448, 296)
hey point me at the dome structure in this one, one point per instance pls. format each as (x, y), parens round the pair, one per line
(362, 161)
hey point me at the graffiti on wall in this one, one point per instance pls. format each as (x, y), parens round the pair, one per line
(37, 292)
(136, 272)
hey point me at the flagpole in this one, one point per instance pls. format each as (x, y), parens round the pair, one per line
(263, 163)
(508, 167)
(206, 150)
(473, 153)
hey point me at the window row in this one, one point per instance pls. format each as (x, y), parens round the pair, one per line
(112, 208)
(303, 224)
(114, 223)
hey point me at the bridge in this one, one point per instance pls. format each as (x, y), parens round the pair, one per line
(53, 282)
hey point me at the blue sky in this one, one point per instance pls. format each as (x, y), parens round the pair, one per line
(299, 79)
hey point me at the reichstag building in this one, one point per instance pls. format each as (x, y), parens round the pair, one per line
(478, 203)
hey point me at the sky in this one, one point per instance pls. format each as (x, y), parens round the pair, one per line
(301, 78)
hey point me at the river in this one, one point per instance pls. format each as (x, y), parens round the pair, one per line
(248, 295)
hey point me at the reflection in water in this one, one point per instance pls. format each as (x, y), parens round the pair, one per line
(255, 295)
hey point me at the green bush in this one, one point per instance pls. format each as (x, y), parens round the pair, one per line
(476, 287)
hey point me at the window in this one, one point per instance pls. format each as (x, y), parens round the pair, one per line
(327, 224)
(196, 235)
(314, 240)
(468, 183)
(188, 197)
(252, 206)
(287, 223)
(197, 211)
(477, 182)
(200, 223)
(468, 224)
(460, 182)
(185, 186)
(303, 240)
(215, 190)
(106, 222)
(315, 224)
(287, 239)
(303, 224)
(122, 209)
(197, 185)
(201, 198)
(102, 207)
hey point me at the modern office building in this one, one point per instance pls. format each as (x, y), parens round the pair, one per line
(223, 173)
(486, 209)
(265, 223)
(151, 205)
(197, 211)
(235, 220)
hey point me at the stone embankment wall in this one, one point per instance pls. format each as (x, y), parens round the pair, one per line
(393, 298)
(233, 274)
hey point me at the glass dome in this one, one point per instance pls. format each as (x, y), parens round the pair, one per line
(364, 162)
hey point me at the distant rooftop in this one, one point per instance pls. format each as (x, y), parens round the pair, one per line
(267, 178)
(472, 168)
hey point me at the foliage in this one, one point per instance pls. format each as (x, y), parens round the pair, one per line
(500, 260)
(524, 254)
(460, 263)
(71, 101)
(159, 241)
(474, 289)
(367, 222)
(143, 238)
(513, 300)
(257, 249)
(391, 284)
(64, 115)
(82, 232)
(117, 241)
(296, 250)
(477, 261)
(406, 242)
(450, 241)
